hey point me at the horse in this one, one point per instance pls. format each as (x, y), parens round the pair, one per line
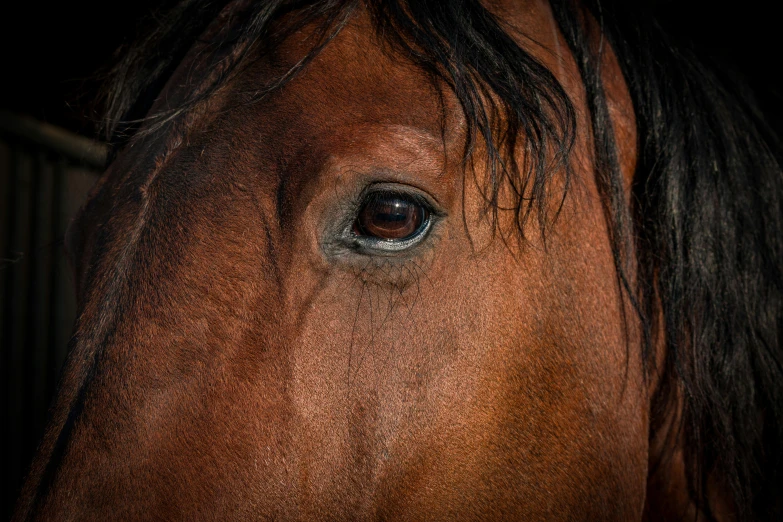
(407, 260)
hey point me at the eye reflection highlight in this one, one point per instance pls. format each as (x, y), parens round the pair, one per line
(389, 216)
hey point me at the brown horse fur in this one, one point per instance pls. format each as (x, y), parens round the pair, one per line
(229, 364)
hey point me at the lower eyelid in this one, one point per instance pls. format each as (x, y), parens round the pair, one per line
(396, 270)
(392, 246)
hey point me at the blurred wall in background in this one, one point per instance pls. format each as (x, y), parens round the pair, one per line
(45, 174)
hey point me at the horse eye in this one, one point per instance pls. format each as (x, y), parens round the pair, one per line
(390, 217)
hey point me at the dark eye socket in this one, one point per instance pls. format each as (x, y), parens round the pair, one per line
(390, 216)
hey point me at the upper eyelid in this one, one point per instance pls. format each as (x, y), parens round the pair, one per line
(418, 195)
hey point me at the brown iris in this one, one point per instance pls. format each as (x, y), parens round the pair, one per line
(390, 216)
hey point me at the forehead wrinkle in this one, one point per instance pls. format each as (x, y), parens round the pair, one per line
(373, 137)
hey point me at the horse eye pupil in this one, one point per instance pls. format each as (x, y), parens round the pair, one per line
(390, 217)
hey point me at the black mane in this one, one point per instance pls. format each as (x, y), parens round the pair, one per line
(705, 221)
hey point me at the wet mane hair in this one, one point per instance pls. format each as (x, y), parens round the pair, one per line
(704, 226)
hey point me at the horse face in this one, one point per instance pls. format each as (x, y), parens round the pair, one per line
(298, 309)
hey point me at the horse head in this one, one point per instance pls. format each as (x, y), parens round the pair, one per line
(417, 260)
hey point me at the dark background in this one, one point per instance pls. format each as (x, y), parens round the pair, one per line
(51, 53)
(52, 56)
